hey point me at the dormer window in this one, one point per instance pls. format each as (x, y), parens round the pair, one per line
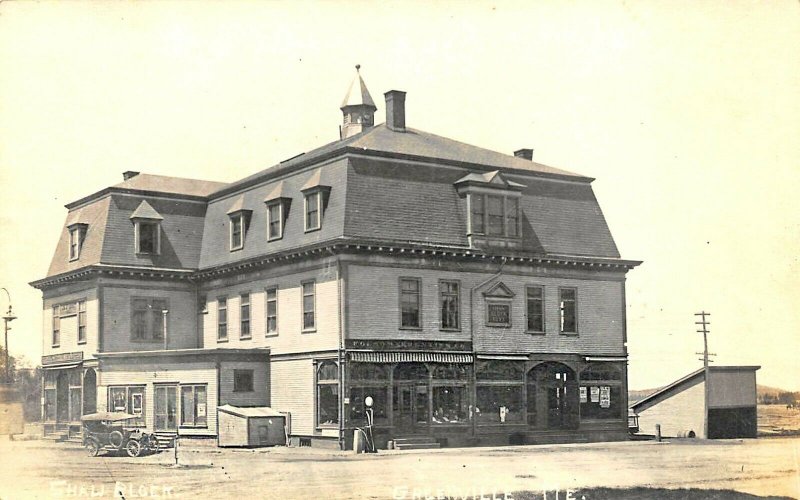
(146, 230)
(278, 204)
(148, 238)
(239, 222)
(313, 221)
(494, 215)
(493, 211)
(316, 199)
(77, 233)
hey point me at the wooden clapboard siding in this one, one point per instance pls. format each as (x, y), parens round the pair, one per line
(181, 319)
(69, 325)
(683, 411)
(290, 337)
(151, 374)
(260, 394)
(373, 310)
(293, 392)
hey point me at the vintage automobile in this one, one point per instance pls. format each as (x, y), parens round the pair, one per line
(105, 431)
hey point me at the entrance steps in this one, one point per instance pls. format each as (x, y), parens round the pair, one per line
(415, 443)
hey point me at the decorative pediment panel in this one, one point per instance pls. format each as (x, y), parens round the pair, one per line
(499, 291)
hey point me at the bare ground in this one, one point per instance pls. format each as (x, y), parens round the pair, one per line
(38, 469)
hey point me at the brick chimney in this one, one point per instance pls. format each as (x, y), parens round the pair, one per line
(525, 153)
(129, 174)
(396, 110)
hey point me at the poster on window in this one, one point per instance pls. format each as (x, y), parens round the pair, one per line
(201, 409)
(595, 393)
(583, 394)
(136, 407)
(605, 396)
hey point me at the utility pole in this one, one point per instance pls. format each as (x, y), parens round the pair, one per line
(704, 324)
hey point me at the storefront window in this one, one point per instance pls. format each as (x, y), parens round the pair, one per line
(358, 395)
(327, 394)
(129, 399)
(600, 392)
(368, 379)
(450, 405)
(193, 406)
(500, 404)
(500, 392)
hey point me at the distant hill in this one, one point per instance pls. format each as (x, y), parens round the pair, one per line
(764, 393)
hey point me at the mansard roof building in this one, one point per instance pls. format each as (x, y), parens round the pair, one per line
(476, 297)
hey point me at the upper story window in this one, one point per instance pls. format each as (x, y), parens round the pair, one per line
(77, 233)
(568, 300)
(316, 199)
(222, 319)
(494, 215)
(534, 297)
(147, 319)
(492, 205)
(410, 303)
(239, 222)
(309, 306)
(450, 304)
(244, 316)
(56, 331)
(272, 310)
(278, 205)
(82, 322)
(147, 229)
(313, 218)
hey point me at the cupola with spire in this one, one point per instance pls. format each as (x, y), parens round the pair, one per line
(358, 108)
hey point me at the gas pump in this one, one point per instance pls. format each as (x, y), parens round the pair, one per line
(369, 413)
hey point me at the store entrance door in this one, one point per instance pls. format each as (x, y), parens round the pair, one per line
(410, 407)
(166, 408)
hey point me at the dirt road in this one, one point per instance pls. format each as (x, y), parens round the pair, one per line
(36, 469)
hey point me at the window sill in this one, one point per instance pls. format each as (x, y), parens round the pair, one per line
(311, 230)
(449, 329)
(236, 249)
(271, 334)
(535, 333)
(498, 325)
(275, 238)
(55, 346)
(146, 254)
(568, 334)
(309, 330)
(249, 337)
(73, 259)
(193, 427)
(222, 341)
(414, 328)
(81, 342)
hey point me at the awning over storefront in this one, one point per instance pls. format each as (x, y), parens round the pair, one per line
(503, 357)
(61, 366)
(401, 357)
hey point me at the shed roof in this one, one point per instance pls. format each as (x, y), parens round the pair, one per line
(683, 383)
(251, 411)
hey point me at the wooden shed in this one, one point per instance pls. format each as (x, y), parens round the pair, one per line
(724, 406)
(250, 426)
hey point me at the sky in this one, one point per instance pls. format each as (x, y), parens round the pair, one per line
(686, 113)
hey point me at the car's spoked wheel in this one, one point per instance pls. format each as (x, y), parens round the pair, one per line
(133, 448)
(92, 448)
